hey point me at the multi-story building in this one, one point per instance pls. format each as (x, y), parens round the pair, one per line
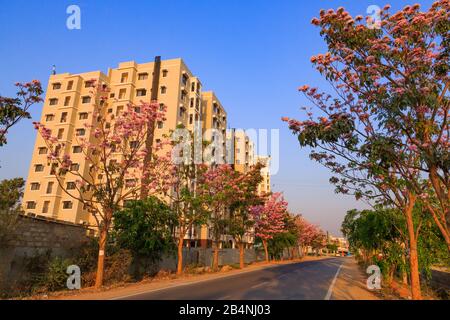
(214, 126)
(242, 149)
(69, 105)
(264, 186)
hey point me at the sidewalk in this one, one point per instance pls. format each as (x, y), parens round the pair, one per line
(351, 283)
(158, 284)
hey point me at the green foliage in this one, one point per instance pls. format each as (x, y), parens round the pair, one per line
(12, 110)
(145, 227)
(332, 247)
(11, 192)
(380, 236)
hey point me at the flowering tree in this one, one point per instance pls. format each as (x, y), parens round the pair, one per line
(308, 234)
(218, 185)
(174, 179)
(240, 223)
(386, 126)
(12, 110)
(114, 149)
(269, 219)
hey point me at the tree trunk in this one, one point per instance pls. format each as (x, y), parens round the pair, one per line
(215, 265)
(180, 255)
(241, 255)
(101, 257)
(413, 255)
(264, 242)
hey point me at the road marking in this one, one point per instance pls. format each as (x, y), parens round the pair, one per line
(259, 285)
(330, 289)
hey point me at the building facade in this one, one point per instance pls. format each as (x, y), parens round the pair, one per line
(69, 106)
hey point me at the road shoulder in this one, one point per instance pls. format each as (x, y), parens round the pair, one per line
(351, 283)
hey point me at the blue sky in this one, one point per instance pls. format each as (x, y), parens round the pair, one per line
(253, 54)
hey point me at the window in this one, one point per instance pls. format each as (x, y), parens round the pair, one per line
(66, 101)
(191, 118)
(50, 187)
(45, 206)
(143, 76)
(35, 186)
(160, 124)
(191, 105)
(49, 117)
(63, 117)
(67, 204)
(56, 86)
(60, 133)
(134, 144)
(53, 168)
(119, 110)
(122, 93)
(80, 132)
(141, 92)
(38, 168)
(31, 205)
(76, 149)
(110, 110)
(112, 95)
(181, 112)
(70, 185)
(74, 167)
(70, 85)
(184, 79)
(88, 84)
(183, 95)
(86, 99)
(164, 73)
(197, 103)
(42, 150)
(83, 115)
(161, 107)
(124, 77)
(53, 102)
(163, 90)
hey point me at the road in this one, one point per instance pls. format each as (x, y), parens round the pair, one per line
(309, 280)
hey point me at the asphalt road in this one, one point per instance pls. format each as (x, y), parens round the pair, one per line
(309, 280)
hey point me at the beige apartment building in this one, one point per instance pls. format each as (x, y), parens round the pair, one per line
(264, 187)
(69, 106)
(214, 127)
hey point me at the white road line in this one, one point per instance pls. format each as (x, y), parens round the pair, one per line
(330, 289)
(259, 285)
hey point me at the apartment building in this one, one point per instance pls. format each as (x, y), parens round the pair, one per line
(69, 105)
(242, 148)
(264, 187)
(214, 126)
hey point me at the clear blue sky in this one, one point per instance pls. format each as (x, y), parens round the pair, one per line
(253, 53)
